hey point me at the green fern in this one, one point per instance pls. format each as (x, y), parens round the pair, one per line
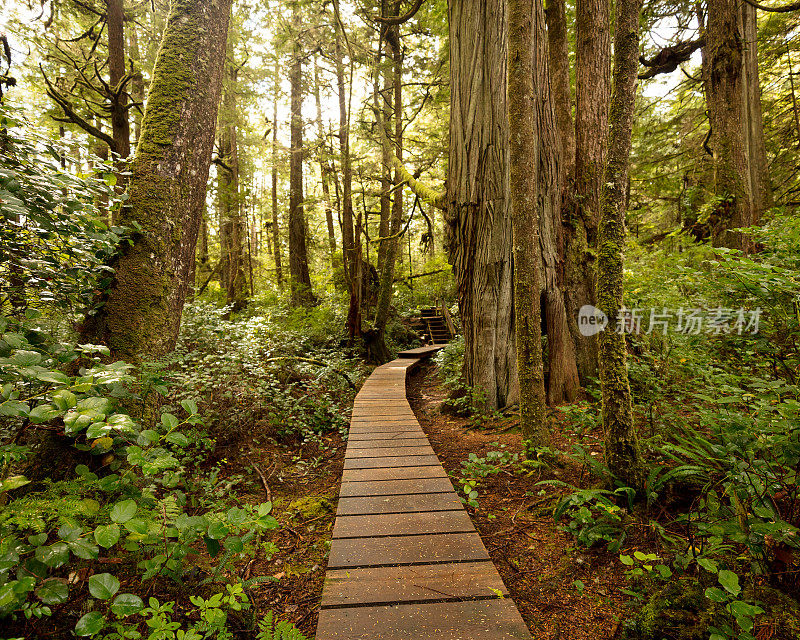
(280, 631)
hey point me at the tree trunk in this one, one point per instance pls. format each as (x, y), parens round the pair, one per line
(621, 444)
(276, 230)
(302, 295)
(478, 231)
(524, 117)
(723, 78)
(350, 241)
(231, 224)
(325, 173)
(384, 105)
(141, 317)
(558, 59)
(137, 81)
(120, 125)
(593, 90)
(756, 152)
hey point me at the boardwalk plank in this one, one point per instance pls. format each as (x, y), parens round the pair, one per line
(398, 504)
(386, 463)
(394, 473)
(395, 487)
(403, 524)
(422, 549)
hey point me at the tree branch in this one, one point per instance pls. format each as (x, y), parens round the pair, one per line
(395, 20)
(668, 59)
(785, 9)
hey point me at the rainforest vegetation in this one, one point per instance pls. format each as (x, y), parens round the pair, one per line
(218, 216)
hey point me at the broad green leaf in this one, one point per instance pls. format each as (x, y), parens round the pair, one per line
(176, 437)
(53, 591)
(26, 358)
(730, 581)
(190, 406)
(127, 604)
(56, 377)
(91, 624)
(44, 413)
(64, 399)
(107, 536)
(14, 408)
(54, 556)
(169, 421)
(103, 586)
(123, 511)
(84, 549)
(13, 482)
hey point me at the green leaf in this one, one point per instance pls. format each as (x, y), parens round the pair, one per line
(137, 526)
(217, 530)
(190, 406)
(26, 358)
(13, 482)
(84, 549)
(626, 560)
(43, 413)
(123, 511)
(64, 399)
(176, 437)
(103, 586)
(56, 377)
(169, 421)
(107, 536)
(708, 565)
(91, 624)
(234, 544)
(212, 546)
(53, 591)
(730, 581)
(716, 595)
(127, 604)
(14, 408)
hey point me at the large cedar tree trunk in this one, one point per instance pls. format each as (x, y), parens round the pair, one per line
(478, 234)
(142, 314)
(276, 229)
(622, 452)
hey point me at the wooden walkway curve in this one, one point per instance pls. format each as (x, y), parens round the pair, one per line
(406, 562)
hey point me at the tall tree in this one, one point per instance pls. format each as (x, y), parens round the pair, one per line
(167, 187)
(276, 230)
(592, 94)
(478, 234)
(325, 170)
(623, 456)
(232, 227)
(526, 24)
(302, 295)
(725, 87)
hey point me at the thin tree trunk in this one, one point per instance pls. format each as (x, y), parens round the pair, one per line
(383, 106)
(350, 241)
(325, 173)
(276, 230)
(555, 14)
(120, 126)
(142, 314)
(622, 453)
(231, 224)
(524, 122)
(378, 346)
(478, 230)
(137, 81)
(302, 295)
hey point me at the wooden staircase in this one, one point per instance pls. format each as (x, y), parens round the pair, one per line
(435, 325)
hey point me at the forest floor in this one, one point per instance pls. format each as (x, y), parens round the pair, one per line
(539, 563)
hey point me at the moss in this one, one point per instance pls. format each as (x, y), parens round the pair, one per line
(680, 611)
(310, 507)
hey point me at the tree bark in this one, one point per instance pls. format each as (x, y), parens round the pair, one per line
(141, 317)
(351, 241)
(622, 453)
(325, 173)
(593, 90)
(723, 78)
(558, 59)
(232, 231)
(276, 229)
(478, 230)
(526, 19)
(301, 292)
(120, 125)
(378, 348)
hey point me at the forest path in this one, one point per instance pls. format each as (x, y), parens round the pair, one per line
(406, 562)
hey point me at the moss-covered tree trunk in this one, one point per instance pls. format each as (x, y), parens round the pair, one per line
(378, 349)
(141, 317)
(120, 124)
(525, 20)
(325, 172)
(621, 444)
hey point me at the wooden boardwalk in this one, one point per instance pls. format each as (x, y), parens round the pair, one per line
(406, 562)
